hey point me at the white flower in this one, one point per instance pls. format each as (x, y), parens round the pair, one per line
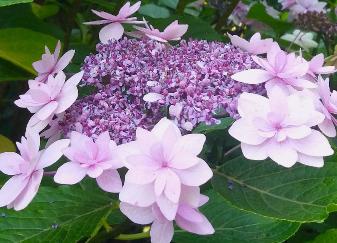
(302, 39)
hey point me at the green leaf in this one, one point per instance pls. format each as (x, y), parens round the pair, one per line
(330, 236)
(45, 11)
(203, 128)
(11, 2)
(197, 28)
(60, 215)
(258, 12)
(22, 47)
(235, 225)
(300, 193)
(169, 3)
(6, 145)
(154, 11)
(9, 72)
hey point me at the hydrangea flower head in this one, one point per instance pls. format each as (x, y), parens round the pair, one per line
(97, 159)
(254, 46)
(303, 6)
(280, 128)
(159, 163)
(26, 169)
(50, 64)
(114, 29)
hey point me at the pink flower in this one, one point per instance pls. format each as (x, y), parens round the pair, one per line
(50, 98)
(114, 30)
(316, 66)
(159, 163)
(97, 159)
(303, 6)
(27, 170)
(173, 31)
(280, 128)
(188, 216)
(50, 64)
(328, 107)
(254, 46)
(279, 69)
(287, 3)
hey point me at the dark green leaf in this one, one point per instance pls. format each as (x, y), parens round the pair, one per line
(330, 236)
(300, 193)
(12, 2)
(6, 145)
(22, 46)
(45, 11)
(203, 128)
(235, 225)
(154, 11)
(60, 215)
(9, 72)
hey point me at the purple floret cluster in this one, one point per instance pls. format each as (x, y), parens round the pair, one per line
(192, 77)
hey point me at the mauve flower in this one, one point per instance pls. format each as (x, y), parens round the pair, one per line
(51, 64)
(50, 98)
(316, 66)
(173, 31)
(188, 216)
(280, 128)
(287, 3)
(159, 163)
(27, 169)
(254, 46)
(303, 6)
(114, 30)
(279, 69)
(328, 107)
(97, 159)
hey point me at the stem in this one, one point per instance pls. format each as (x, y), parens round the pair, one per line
(232, 149)
(49, 173)
(181, 6)
(137, 236)
(292, 43)
(222, 20)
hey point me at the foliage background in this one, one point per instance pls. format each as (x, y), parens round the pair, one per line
(250, 201)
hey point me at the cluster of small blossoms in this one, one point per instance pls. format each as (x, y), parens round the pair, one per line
(282, 126)
(297, 7)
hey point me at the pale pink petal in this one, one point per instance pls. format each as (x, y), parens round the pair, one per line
(12, 189)
(27, 195)
(172, 187)
(282, 153)
(196, 175)
(132, 9)
(53, 153)
(65, 100)
(138, 215)
(97, 22)
(239, 42)
(326, 70)
(142, 162)
(138, 195)
(152, 97)
(113, 31)
(140, 177)
(167, 207)
(252, 76)
(190, 195)
(314, 145)
(190, 214)
(297, 132)
(200, 228)
(183, 161)
(254, 152)
(203, 200)
(64, 60)
(72, 82)
(47, 111)
(190, 144)
(328, 128)
(94, 171)
(103, 15)
(310, 160)
(161, 232)
(10, 163)
(250, 104)
(69, 173)
(57, 50)
(245, 132)
(160, 182)
(110, 181)
(163, 127)
(316, 62)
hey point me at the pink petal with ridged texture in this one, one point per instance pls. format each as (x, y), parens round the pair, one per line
(326, 70)
(160, 182)
(165, 126)
(310, 160)
(103, 145)
(66, 99)
(203, 200)
(41, 67)
(252, 76)
(254, 152)
(72, 82)
(245, 132)
(140, 177)
(64, 60)
(112, 31)
(10, 163)
(12, 189)
(27, 195)
(190, 144)
(167, 207)
(69, 173)
(316, 62)
(282, 153)
(200, 228)
(251, 104)
(138, 195)
(196, 175)
(138, 215)
(110, 181)
(47, 111)
(239, 42)
(314, 145)
(328, 128)
(161, 232)
(97, 22)
(183, 161)
(57, 50)
(142, 162)
(174, 31)
(94, 171)
(173, 187)
(297, 132)
(53, 153)
(190, 214)
(103, 15)
(190, 195)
